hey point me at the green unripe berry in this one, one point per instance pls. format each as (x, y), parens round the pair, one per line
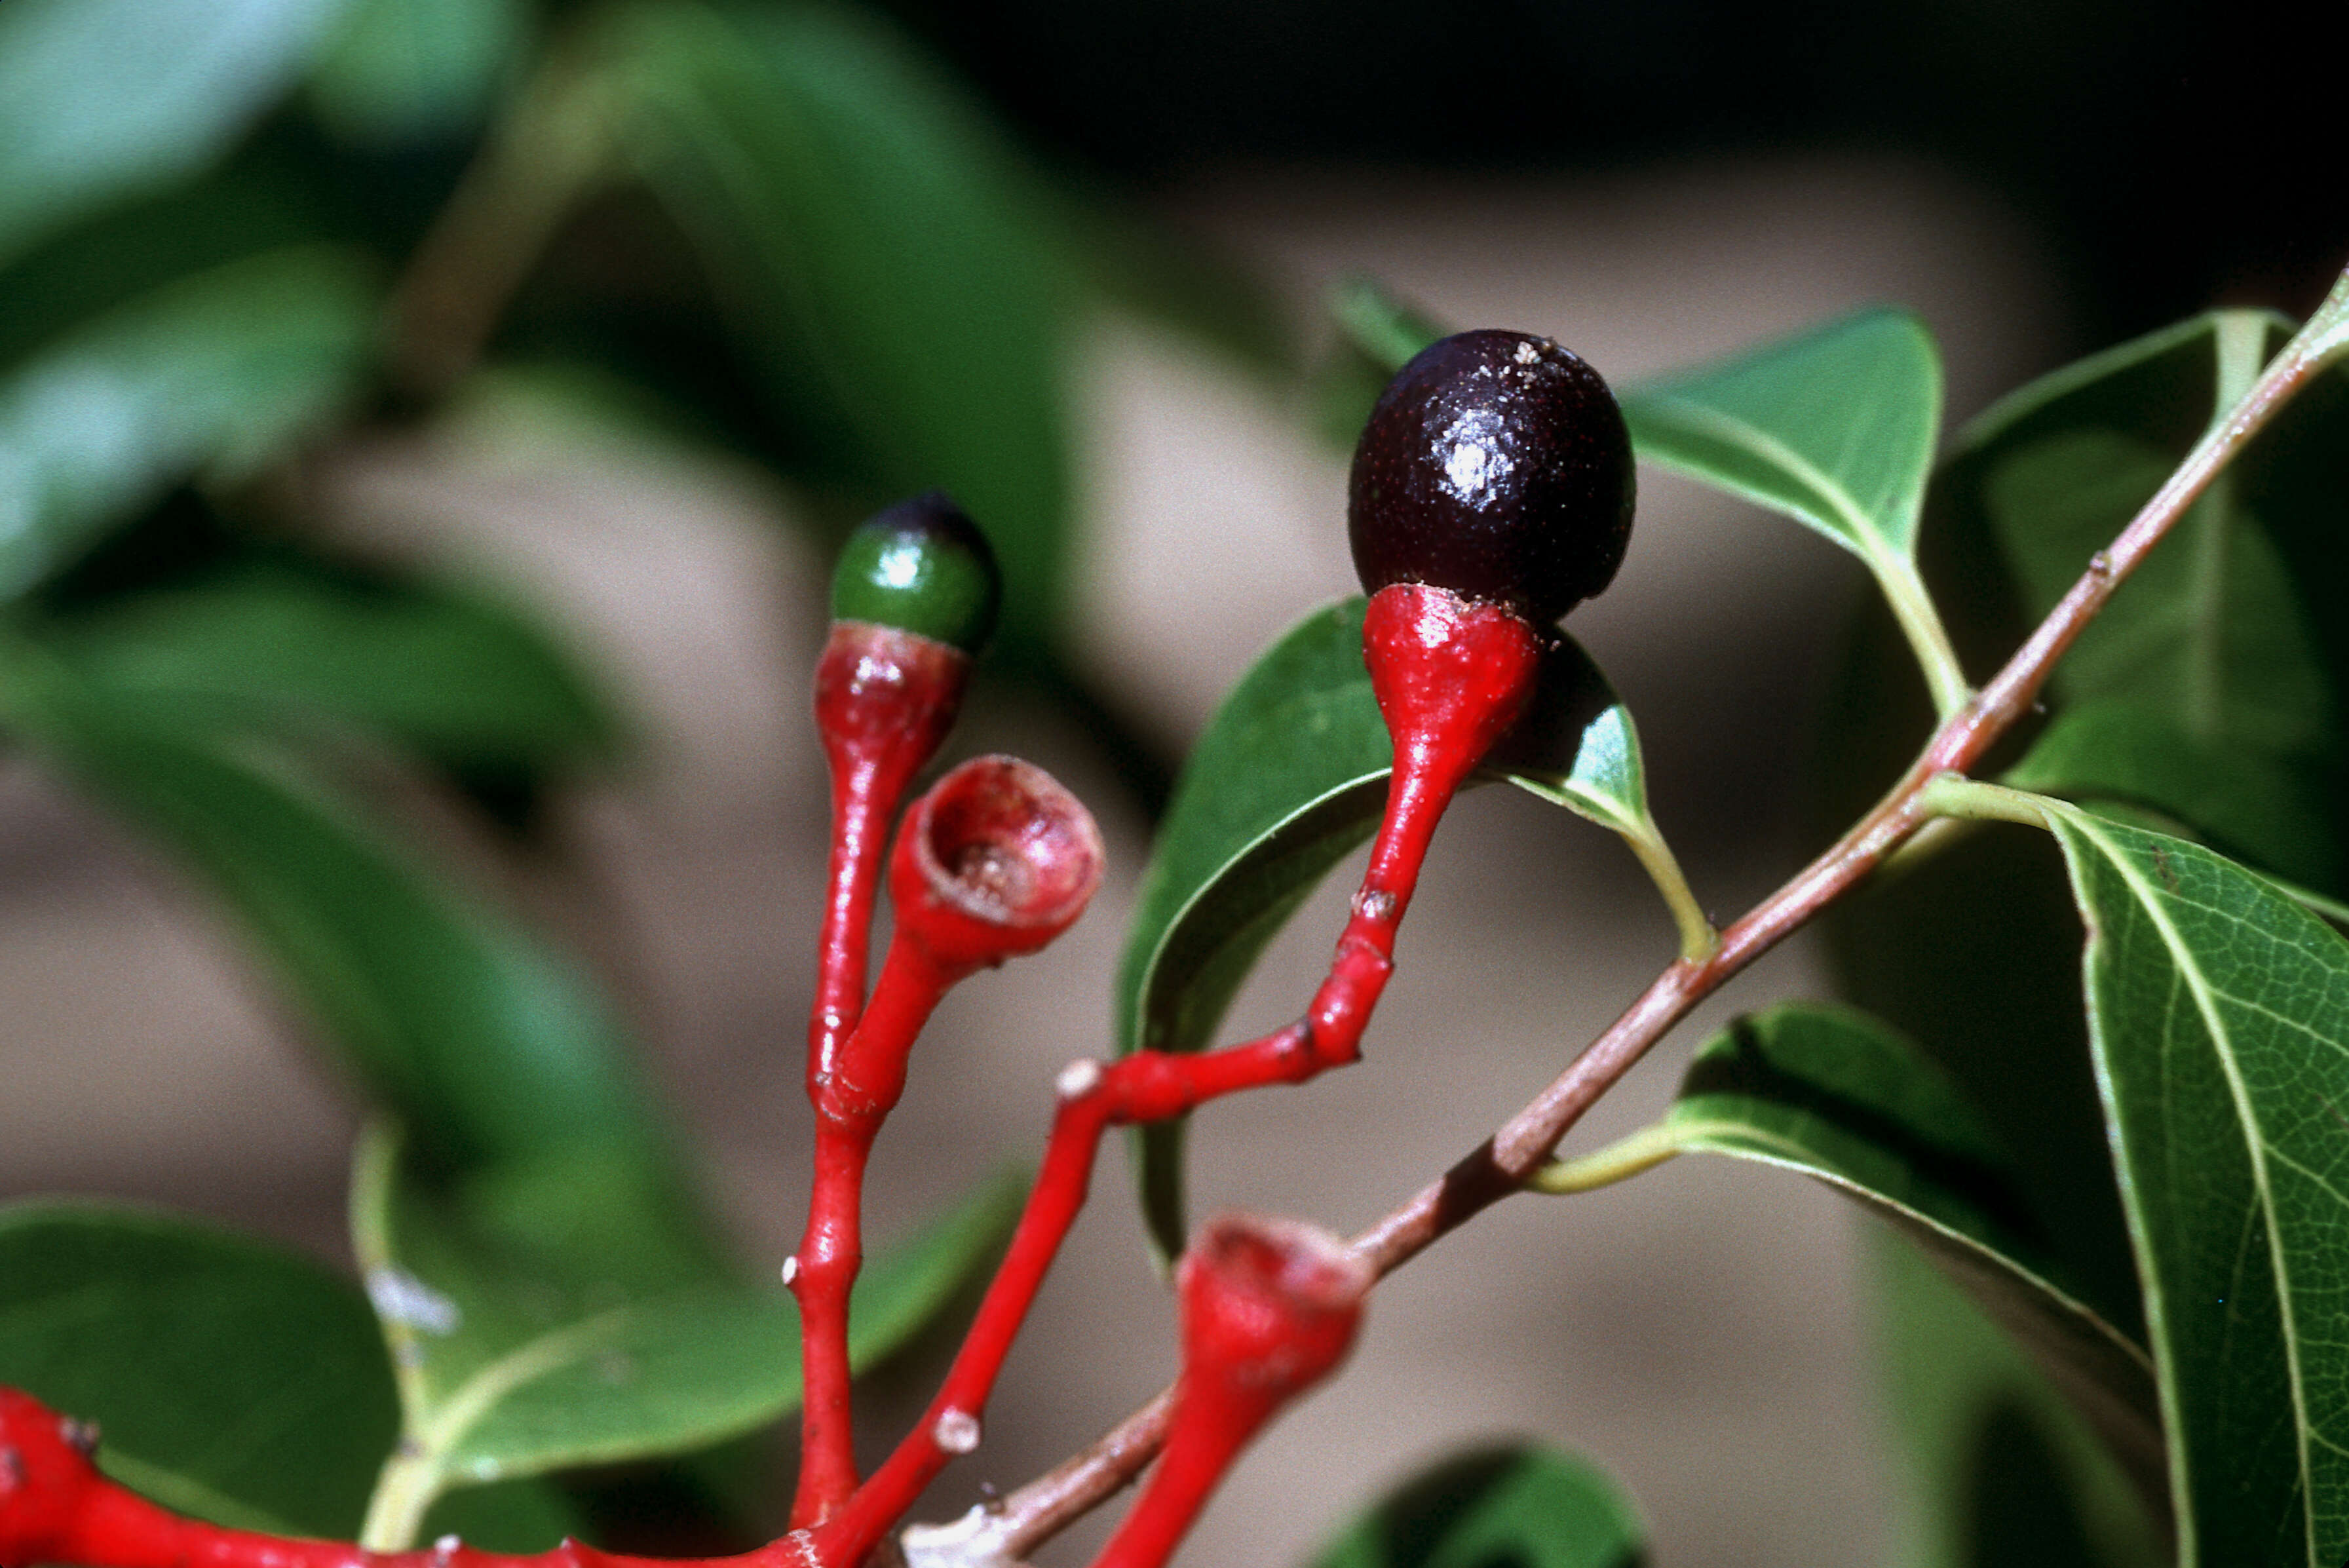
(923, 566)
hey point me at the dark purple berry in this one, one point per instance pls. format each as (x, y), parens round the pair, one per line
(1496, 465)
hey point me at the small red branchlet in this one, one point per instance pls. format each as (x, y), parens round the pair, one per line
(995, 861)
(46, 1479)
(1269, 1309)
(884, 700)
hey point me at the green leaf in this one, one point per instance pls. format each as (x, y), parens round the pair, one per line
(1992, 1464)
(210, 375)
(2272, 810)
(2209, 687)
(538, 1319)
(1835, 428)
(2219, 1012)
(1377, 336)
(896, 278)
(1290, 776)
(454, 676)
(478, 1035)
(232, 1380)
(520, 1517)
(1519, 1506)
(102, 99)
(1839, 1096)
(399, 72)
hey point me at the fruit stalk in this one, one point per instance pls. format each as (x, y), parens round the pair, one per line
(884, 700)
(1451, 676)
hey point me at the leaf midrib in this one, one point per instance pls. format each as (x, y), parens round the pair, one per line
(481, 1393)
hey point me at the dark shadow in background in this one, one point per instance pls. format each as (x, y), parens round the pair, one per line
(2173, 153)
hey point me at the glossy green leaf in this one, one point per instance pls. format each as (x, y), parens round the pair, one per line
(1290, 776)
(1841, 1097)
(1990, 1463)
(2209, 689)
(1835, 428)
(209, 375)
(896, 278)
(230, 1379)
(539, 1319)
(477, 1034)
(454, 676)
(397, 72)
(102, 99)
(1514, 1507)
(2274, 811)
(2219, 1011)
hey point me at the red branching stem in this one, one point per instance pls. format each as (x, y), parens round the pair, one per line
(1089, 1099)
(54, 1507)
(884, 701)
(1269, 1309)
(1451, 676)
(1149, 1086)
(850, 1103)
(995, 861)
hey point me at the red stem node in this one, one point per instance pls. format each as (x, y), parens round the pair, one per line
(1269, 1309)
(1093, 1097)
(994, 861)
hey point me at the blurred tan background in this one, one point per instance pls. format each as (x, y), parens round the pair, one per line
(1696, 1331)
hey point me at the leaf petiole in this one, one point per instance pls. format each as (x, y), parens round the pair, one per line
(1624, 1158)
(1699, 938)
(1921, 623)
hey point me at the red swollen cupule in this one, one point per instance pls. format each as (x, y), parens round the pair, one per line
(1269, 1309)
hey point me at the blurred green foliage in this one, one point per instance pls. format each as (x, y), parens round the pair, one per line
(233, 234)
